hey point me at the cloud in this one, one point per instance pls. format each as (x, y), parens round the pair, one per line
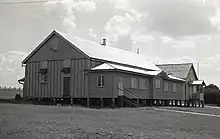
(178, 17)
(182, 44)
(67, 10)
(10, 67)
(174, 60)
(142, 38)
(215, 19)
(91, 33)
(69, 22)
(120, 24)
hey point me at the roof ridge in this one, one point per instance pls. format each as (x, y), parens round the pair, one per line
(185, 63)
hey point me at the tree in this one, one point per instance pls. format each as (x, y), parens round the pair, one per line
(212, 87)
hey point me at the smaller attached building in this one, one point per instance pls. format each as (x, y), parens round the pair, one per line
(194, 88)
(117, 81)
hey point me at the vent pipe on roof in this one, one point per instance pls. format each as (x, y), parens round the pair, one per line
(103, 42)
(198, 70)
(138, 51)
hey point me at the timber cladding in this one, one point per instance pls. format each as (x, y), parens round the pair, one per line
(53, 86)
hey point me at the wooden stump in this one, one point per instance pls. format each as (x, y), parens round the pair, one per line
(101, 102)
(71, 101)
(113, 103)
(88, 102)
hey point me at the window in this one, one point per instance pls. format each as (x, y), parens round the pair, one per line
(66, 63)
(143, 84)
(66, 66)
(165, 86)
(157, 83)
(43, 78)
(43, 65)
(100, 81)
(197, 88)
(43, 71)
(194, 89)
(134, 83)
(191, 89)
(174, 87)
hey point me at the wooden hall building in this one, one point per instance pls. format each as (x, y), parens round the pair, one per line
(86, 72)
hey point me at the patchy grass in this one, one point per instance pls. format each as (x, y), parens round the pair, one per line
(35, 121)
(9, 94)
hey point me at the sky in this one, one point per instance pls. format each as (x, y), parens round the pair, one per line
(168, 31)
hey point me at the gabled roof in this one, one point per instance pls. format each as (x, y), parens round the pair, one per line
(177, 70)
(98, 51)
(110, 66)
(199, 82)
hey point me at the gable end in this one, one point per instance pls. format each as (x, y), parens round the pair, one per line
(54, 48)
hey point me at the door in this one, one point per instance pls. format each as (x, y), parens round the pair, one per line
(120, 87)
(66, 87)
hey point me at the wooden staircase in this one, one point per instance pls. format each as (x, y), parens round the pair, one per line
(130, 98)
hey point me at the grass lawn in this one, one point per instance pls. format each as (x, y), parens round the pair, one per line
(50, 122)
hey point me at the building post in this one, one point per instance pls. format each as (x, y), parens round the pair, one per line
(199, 103)
(138, 102)
(121, 102)
(150, 102)
(71, 101)
(180, 103)
(203, 103)
(113, 102)
(38, 100)
(54, 101)
(145, 102)
(101, 102)
(88, 103)
(176, 102)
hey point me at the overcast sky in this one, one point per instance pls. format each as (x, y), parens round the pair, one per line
(166, 31)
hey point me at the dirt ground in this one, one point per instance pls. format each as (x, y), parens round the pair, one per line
(26, 121)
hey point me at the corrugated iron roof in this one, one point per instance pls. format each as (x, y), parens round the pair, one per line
(110, 66)
(199, 82)
(98, 51)
(177, 70)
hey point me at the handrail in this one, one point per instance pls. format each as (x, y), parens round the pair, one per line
(130, 93)
(133, 93)
(127, 92)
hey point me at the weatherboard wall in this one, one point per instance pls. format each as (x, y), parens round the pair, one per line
(191, 75)
(126, 79)
(159, 93)
(101, 92)
(54, 85)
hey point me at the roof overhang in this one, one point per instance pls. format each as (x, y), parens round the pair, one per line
(21, 81)
(119, 67)
(199, 82)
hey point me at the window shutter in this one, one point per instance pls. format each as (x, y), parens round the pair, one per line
(157, 83)
(66, 63)
(174, 87)
(103, 80)
(165, 86)
(43, 65)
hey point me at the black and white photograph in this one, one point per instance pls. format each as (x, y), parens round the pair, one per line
(109, 69)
